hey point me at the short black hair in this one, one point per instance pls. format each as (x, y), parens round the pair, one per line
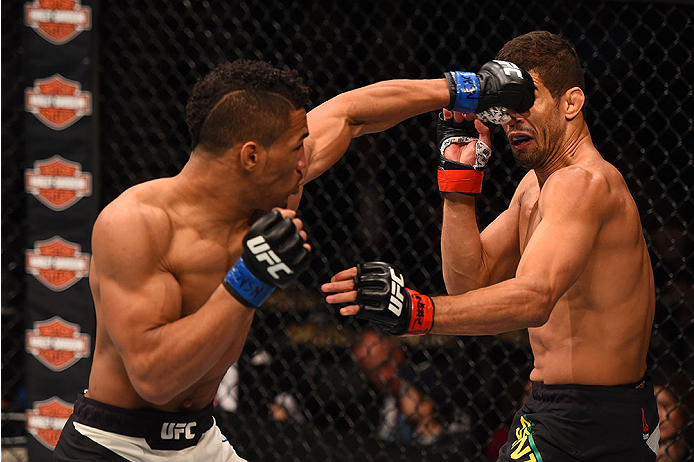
(243, 100)
(553, 58)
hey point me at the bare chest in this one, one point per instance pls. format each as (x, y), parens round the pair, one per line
(199, 266)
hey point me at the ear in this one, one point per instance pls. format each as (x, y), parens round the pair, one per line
(573, 102)
(250, 155)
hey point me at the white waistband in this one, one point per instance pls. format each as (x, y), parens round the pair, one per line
(212, 446)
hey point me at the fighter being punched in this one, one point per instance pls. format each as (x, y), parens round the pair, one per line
(179, 265)
(567, 260)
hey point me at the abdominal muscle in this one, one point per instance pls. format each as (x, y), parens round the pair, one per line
(583, 346)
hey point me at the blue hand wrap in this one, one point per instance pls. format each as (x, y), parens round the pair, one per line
(465, 91)
(245, 286)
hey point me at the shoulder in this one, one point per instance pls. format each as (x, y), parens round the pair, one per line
(135, 208)
(584, 178)
(133, 226)
(578, 189)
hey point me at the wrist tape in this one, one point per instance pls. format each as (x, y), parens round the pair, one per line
(245, 286)
(422, 317)
(464, 88)
(460, 181)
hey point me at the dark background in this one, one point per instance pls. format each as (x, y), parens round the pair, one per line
(380, 201)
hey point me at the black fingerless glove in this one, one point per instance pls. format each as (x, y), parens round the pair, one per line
(273, 256)
(383, 299)
(497, 87)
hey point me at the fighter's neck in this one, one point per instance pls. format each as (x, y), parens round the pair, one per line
(576, 146)
(213, 194)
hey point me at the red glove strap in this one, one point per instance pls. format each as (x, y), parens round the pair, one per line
(422, 317)
(460, 181)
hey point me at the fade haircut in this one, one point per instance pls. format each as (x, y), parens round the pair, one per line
(241, 101)
(552, 57)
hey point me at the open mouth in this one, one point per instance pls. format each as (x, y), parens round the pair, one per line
(519, 140)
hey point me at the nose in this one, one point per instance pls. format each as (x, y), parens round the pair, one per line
(301, 162)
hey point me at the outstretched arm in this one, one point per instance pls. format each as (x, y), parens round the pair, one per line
(369, 109)
(379, 106)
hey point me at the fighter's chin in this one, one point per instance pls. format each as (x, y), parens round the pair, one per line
(524, 159)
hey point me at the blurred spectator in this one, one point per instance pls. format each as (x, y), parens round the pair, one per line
(227, 396)
(672, 422)
(285, 407)
(416, 407)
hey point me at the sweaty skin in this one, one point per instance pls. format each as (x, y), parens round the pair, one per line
(567, 259)
(167, 330)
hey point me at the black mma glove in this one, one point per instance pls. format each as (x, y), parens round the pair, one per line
(498, 86)
(383, 299)
(273, 256)
(457, 176)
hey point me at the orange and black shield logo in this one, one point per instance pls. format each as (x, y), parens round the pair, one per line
(47, 419)
(57, 263)
(57, 344)
(57, 21)
(57, 182)
(57, 101)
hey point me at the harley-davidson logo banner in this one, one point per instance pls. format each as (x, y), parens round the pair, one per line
(60, 140)
(57, 344)
(57, 182)
(57, 21)
(57, 263)
(46, 420)
(57, 101)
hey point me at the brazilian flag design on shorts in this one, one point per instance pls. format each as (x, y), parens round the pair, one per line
(523, 448)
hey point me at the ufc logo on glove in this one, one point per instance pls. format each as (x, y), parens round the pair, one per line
(397, 287)
(263, 252)
(383, 298)
(510, 68)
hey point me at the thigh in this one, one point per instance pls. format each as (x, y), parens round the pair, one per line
(529, 441)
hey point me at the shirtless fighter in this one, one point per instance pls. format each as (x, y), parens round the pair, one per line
(567, 260)
(171, 316)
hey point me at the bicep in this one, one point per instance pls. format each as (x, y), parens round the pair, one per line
(330, 134)
(135, 294)
(500, 247)
(129, 313)
(561, 245)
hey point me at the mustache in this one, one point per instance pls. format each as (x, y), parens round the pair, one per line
(520, 128)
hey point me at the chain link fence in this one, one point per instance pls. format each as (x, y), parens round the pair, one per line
(304, 389)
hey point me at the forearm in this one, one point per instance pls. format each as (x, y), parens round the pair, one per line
(369, 109)
(171, 357)
(461, 246)
(379, 106)
(513, 304)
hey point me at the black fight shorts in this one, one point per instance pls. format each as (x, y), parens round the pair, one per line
(566, 423)
(100, 432)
